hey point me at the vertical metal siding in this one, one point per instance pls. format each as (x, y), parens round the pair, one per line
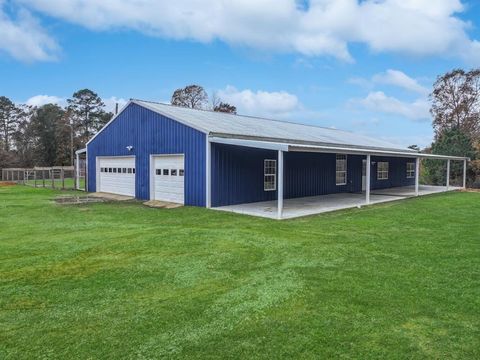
(397, 172)
(237, 174)
(311, 174)
(150, 133)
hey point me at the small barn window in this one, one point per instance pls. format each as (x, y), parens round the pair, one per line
(124, 170)
(165, 172)
(101, 169)
(114, 170)
(158, 171)
(382, 170)
(129, 170)
(269, 175)
(133, 170)
(110, 170)
(181, 172)
(341, 170)
(174, 172)
(410, 170)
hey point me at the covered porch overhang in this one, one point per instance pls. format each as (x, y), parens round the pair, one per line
(312, 205)
(294, 207)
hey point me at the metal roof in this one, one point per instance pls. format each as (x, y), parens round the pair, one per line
(255, 128)
(275, 134)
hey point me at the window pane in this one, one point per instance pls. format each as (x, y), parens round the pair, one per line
(158, 171)
(174, 172)
(133, 170)
(165, 172)
(269, 174)
(181, 172)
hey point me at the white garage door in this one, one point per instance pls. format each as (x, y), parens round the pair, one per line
(116, 175)
(169, 175)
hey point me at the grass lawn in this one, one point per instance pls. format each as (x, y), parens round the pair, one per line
(120, 280)
(69, 183)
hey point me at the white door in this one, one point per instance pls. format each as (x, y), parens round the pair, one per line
(364, 175)
(116, 175)
(168, 178)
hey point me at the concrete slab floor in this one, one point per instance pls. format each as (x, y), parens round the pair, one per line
(325, 203)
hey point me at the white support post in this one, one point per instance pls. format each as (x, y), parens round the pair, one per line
(280, 185)
(465, 173)
(417, 175)
(77, 172)
(367, 185)
(208, 170)
(448, 174)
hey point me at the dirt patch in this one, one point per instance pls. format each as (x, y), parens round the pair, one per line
(77, 200)
(471, 190)
(7, 183)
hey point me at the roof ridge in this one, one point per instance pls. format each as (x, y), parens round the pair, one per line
(248, 116)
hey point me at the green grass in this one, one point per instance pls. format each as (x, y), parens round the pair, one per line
(69, 183)
(120, 280)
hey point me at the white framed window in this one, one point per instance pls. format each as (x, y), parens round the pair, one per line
(341, 169)
(269, 175)
(410, 170)
(382, 170)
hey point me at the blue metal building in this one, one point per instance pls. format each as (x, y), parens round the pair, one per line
(161, 152)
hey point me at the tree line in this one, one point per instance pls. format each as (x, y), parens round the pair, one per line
(456, 123)
(49, 134)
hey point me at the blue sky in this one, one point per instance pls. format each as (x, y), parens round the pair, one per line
(362, 66)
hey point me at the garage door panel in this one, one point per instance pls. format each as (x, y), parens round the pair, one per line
(168, 183)
(122, 181)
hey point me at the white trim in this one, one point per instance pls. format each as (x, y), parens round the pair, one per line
(464, 174)
(250, 143)
(410, 173)
(274, 174)
(208, 175)
(417, 176)
(365, 151)
(81, 151)
(151, 171)
(273, 145)
(341, 171)
(111, 120)
(280, 185)
(367, 179)
(383, 171)
(448, 174)
(97, 172)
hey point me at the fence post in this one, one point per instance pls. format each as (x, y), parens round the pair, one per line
(35, 177)
(43, 178)
(52, 175)
(62, 174)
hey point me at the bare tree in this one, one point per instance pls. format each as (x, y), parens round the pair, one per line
(220, 106)
(456, 102)
(226, 108)
(191, 96)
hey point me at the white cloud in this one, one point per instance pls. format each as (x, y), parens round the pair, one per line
(111, 102)
(39, 100)
(260, 103)
(24, 39)
(379, 102)
(324, 27)
(400, 79)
